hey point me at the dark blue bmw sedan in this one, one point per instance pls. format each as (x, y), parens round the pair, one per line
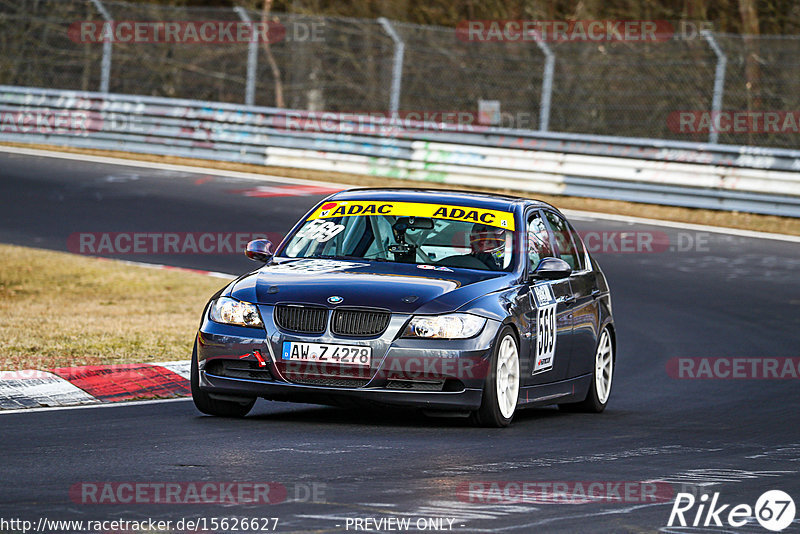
(454, 302)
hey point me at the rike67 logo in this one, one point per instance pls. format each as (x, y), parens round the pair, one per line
(774, 510)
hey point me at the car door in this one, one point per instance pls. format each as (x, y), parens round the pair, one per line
(583, 285)
(550, 313)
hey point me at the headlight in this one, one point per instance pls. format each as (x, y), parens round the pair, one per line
(229, 311)
(453, 326)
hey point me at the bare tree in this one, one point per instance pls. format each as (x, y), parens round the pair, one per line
(752, 70)
(273, 65)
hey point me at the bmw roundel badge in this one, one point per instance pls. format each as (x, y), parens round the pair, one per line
(335, 299)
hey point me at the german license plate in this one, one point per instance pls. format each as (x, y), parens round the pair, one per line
(358, 356)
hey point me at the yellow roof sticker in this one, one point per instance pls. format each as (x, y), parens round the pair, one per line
(352, 208)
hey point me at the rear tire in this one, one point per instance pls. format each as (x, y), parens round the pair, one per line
(600, 389)
(210, 406)
(501, 387)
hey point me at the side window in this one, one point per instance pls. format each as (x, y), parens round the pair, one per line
(538, 241)
(579, 248)
(564, 243)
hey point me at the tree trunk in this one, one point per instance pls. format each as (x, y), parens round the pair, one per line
(752, 70)
(273, 65)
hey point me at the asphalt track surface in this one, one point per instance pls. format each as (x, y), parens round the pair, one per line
(727, 297)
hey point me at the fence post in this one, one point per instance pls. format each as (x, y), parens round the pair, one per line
(719, 85)
(397, 67)
(252, 60)
(105, 64)
(547, 82)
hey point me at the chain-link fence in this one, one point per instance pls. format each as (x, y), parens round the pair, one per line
(632, 89)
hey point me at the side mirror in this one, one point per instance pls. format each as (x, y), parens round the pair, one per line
(552, 269)
(259, 250)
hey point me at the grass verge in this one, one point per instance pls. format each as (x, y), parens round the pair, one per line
(728, 219)
(62, 310)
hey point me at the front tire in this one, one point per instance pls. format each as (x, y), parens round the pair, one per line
(207, 405)
(501, 388)
(600, 389)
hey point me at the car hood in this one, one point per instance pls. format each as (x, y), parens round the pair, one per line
(401, 288)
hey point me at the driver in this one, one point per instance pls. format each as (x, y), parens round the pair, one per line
(488, 244)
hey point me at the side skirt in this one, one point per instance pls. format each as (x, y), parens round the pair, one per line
(570, 390)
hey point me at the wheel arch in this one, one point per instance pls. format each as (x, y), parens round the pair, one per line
(609, 324)
(509, 321)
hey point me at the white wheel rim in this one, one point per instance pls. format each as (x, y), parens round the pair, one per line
(507, 377)
(603, 367)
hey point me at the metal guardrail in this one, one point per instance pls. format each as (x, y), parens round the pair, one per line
(667, 88)
(752, 179)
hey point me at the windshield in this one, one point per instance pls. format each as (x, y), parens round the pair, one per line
(461, 237)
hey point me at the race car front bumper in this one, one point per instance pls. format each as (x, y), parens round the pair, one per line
(238, 363)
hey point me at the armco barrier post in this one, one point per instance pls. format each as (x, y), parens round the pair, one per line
(547, 82)
(252, 60)
(397, 65)
(719, 84)
(105, 65)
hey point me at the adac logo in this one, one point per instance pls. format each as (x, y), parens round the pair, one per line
(326, 208)
(474, 215)
(356, 208)
(335, 299)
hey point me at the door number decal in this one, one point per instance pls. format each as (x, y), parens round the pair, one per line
(546, 330)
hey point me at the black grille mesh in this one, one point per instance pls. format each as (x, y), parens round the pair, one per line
(363, 323)
(334, 382)
(303, 319)
(238, 369)
(414, 385)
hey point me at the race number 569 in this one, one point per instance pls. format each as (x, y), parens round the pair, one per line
(545, 337)
(320, 231)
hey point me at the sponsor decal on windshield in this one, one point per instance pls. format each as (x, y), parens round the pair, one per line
(500, 219)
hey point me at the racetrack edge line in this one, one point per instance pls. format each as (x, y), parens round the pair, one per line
(299, 181)
(94, 385)
(95, 405)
